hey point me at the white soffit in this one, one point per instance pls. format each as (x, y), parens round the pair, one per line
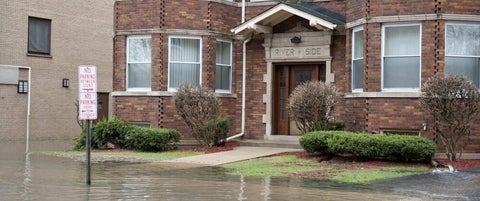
(264, 22)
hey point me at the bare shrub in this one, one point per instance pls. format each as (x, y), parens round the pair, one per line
(453, 101)
(311, 105)
(199, 108)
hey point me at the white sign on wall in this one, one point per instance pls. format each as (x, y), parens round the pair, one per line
(87, 92)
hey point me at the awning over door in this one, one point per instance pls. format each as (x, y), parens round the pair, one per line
(318, 17)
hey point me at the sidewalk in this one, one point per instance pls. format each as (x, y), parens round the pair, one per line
(238, 154)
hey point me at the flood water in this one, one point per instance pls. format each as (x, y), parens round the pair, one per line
(37, 177)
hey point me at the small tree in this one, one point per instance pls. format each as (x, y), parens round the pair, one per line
(199, 108)
(453, 101)
(311, 105)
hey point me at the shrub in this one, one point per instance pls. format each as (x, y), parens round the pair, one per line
(199, 107)
(152, 139)
(368, 146)
(453, 101)
(113, 131)
(80, 141)
(311, 105)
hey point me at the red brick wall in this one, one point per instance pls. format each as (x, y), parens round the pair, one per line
(119, 63)
(135, 14)
(400, 7)
(255, 108)
(465, 7)
(187, 14)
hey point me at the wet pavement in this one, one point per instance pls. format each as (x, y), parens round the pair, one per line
(37, 177)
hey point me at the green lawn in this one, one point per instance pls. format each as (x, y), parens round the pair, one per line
(151, 156)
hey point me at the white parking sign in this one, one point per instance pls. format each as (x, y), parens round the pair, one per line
(87, 92)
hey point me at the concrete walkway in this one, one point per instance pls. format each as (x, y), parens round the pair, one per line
(238, 154)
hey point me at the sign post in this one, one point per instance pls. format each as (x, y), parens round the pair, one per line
(87, 104)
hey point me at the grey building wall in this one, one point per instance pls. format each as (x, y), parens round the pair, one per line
(81, 34)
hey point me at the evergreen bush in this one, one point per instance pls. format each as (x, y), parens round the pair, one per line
(152, 139)
(365, 146)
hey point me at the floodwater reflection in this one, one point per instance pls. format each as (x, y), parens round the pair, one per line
(37, 177)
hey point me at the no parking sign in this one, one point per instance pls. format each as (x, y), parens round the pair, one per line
(87, 92)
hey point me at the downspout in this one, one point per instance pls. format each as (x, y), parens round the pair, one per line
(244, 78)
(244, 81)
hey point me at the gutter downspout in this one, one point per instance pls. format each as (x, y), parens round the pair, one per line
(244, 78)
(244, 81)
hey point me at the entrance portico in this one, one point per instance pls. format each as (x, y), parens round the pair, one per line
(293, 56)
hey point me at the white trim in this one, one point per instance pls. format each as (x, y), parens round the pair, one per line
(170, 52)
(255, 21)
(29, 97)
(229, 65)
(416, 89)
(354, 30)
(383, 95)
(127, 88)
(409, 18)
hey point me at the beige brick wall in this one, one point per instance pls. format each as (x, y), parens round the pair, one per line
(81, 33)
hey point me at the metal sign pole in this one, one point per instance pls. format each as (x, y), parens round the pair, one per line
(88, 143)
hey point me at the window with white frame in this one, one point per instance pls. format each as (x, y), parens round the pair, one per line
(357, 60)
(184, 61)
(401, 50)
(139, 63)
(223, 71)
(462, 50)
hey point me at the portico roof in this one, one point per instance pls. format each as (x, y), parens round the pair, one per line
(317, 16)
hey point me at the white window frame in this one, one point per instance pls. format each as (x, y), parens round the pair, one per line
(230, 65)
(357, 29)
(172, 89)
(127, 62)
(463, 56)
(416, 89)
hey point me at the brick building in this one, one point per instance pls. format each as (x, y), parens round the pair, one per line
(49, 40)
(376, 52)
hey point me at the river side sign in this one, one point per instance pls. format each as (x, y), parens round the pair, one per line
(87, 92)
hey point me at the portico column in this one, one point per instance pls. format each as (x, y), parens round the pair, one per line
(329, 76)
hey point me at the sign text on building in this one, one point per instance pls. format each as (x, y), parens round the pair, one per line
(300, 52)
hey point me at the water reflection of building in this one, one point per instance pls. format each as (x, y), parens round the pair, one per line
(52, 38)
(376, 53)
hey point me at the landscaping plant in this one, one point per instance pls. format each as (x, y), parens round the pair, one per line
(453, 102)
(199, 108)
(311, 104)
(364, 146)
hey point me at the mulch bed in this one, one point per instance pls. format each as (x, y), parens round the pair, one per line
(227, 147)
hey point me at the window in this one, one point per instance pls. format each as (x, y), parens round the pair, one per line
(139, 54)
(357, 60)
(223, 71)
(39, 35)
(401, 57)
(184, 61)
(22, 86)
(462, 50)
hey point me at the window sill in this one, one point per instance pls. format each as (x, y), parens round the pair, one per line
(39, 55)
(161, 93)
(383, 95)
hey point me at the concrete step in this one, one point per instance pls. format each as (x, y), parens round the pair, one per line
(271, 143)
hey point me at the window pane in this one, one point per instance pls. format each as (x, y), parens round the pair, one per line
(463, 40)
(358, 46)
(401, 72)
(139, 50)
(358, 74)
(185, 50)
(222, 78)
(139, 75)
(223, 53)
(402, 40)
(184, 74)
(465, 66)
(39, 35)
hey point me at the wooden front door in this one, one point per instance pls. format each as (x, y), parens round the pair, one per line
(287, 77)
